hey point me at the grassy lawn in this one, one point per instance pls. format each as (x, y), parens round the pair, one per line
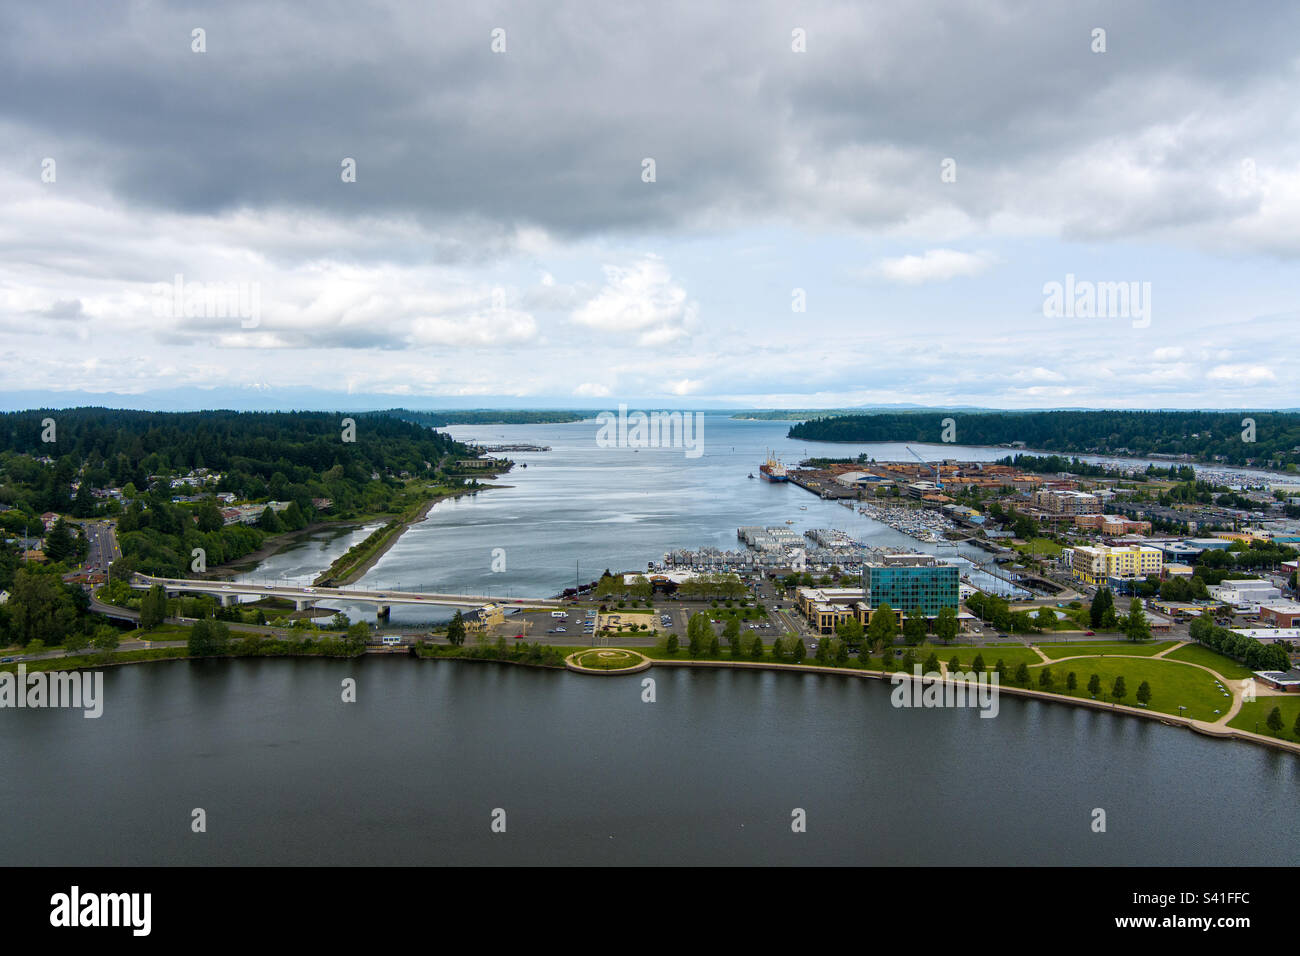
(1259, 711)
(1011, 654)
(1041, 546)
(1171, 684)
(1199, 654)
(1057, 651)
(608, 659)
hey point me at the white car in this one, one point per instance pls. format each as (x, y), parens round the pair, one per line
(225, 587)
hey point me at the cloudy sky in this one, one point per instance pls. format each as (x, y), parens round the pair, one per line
(850, 203)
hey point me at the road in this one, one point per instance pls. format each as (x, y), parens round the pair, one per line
(308, 594)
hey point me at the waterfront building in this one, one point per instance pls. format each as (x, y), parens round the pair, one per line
(909, 581)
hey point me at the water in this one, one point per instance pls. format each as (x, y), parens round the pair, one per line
(580, 509)
(588, 774)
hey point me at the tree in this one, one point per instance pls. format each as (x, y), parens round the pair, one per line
(1045, 618)
(76, 642)
(1296, 729)
(672, 645)
(850, 631)
(954, 665)
(268, 520)
(105, 640)
(1022, 673)
(1136, 625)
(1144, 693)
(946, 624)
(756, 648)
(58, 543)
(714, 650)
(1102, 601)
(1274, 721)
(40, 607)
(1045, 678)
(1000, 668)
(1120, 690)
(778, 649)
(977, 665)
(1094, 685)
(823, 654)
(153, 607)
(1071, 681)
(931, 664)
(841, 653)
(209, 516)
(695, 646)
(883, 625)
(799, 651)
(456, 630)
(915, 627)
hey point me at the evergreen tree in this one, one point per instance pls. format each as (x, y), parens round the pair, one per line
(456, 630)
(1094, 685)
(1144, 693)
(1071, 681)
(1120, 690)
(1274, 721)
(1102, 601)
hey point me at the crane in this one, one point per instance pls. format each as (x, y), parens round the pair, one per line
(938, 480)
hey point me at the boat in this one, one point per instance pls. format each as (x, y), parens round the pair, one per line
(751, 474)
(803, 507)
(772, 469)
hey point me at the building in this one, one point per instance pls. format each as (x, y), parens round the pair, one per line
(1269, 635)
(907, 582)
(1288, 681)
(481, 619)
(1115, 567)
(1245, 595)
(1280, 614)
(1061, 502)
(826, 607)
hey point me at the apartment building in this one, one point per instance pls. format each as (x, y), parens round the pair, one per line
(1063, 502)
(1104, 566)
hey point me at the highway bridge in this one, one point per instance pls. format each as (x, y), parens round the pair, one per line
(304, 596)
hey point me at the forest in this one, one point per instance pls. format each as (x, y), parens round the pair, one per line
(1265, 439)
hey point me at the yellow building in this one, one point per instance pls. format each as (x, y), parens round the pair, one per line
(1099, 564)
(489, 615)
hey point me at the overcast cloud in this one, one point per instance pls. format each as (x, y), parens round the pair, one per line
(872, 220)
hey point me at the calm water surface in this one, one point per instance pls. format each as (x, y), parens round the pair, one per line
(588, 773)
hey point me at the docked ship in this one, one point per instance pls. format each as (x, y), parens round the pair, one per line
(772, 469)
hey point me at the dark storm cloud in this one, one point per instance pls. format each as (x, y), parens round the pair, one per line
(552, 132)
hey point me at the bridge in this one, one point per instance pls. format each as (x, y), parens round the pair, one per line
(304, 596)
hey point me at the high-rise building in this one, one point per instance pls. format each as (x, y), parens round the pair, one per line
(909, 581)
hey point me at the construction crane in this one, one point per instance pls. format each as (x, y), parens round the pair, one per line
(938, 480)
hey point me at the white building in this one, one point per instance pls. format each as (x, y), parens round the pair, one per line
(1246, 595)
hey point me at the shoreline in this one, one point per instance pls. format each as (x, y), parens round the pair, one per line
(1292, 477)
(1225, 732)
(359, 570)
